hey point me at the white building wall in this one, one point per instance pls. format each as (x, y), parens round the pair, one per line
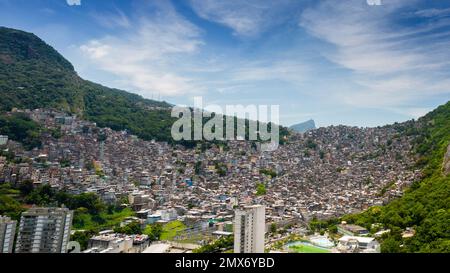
(249, 230)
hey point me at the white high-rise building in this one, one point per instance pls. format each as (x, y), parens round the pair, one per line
(7, 233)
(249, 229)
(3, 140)
(44, 230)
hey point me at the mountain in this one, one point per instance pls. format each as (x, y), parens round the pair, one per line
(304, 126)
(34, 75)
(425, 206)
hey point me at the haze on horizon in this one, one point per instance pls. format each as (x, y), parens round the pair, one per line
(337, 62)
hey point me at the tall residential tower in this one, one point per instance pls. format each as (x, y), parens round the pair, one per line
(249, 229)
(44, 230)
(7, 233)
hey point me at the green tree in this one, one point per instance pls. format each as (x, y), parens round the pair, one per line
(130, 229)
(154, 231)
(26, 187)
(273, 228)
(261, 189)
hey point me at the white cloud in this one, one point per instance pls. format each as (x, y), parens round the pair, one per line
(433, 12)
(284, 70)
(112, 19)
(390, 65)
(148, 57)
(245, 18)
(73, 2)
(161, 52)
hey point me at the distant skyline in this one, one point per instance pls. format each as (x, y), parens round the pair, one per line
(337, 62)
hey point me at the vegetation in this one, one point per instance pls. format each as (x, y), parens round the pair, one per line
(425, 207)
(129, 229)
(273, 228)
(90, 212)
(386, 188)
(20, 128)
(261, 189)
(34, 75)
(82, 237)
(311, 144)
(154, 231)
(307, 248)
(268, 172)
(9, 205)
(91, 215)
(321, 226)
(219, 246)
(171, 229)
(221, 168)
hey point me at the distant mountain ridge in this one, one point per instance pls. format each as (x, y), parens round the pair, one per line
(304, 126)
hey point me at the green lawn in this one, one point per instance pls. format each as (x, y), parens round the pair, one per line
(86, 221)
(308, 249)
(170, 230)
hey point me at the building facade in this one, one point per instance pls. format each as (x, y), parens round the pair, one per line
(3, 140)
(44, 230)
(358, 244)
(7, 233)
(249, 229)
(351, 230)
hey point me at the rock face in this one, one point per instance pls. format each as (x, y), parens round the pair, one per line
(304, 127)
(446, 165)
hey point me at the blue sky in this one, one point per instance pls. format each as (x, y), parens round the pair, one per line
(338, 62)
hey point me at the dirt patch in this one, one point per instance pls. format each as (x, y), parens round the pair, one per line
(6, 59)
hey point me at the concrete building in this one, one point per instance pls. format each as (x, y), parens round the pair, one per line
(110, 243)
(44, 230)
(7, 233)
(3, 140)
(153, 218)
(249, 229)
(351, 230)
(358, 244)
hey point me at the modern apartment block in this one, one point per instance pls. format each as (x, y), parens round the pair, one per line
(7, 233)
(3, 140)
(44, 230)
(249, 229)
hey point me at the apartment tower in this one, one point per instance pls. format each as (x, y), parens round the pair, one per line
(7, 234)
(44, 230)
(249, 229)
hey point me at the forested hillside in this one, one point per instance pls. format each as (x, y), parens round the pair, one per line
(425, 207)
(34, 75)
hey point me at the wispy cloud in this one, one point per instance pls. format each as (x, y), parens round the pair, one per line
(112, 19)
(258, 71)
(145, 59)
(362, 56)
(162, 52)
(245, 18)
(391, 64)
(433, 12)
